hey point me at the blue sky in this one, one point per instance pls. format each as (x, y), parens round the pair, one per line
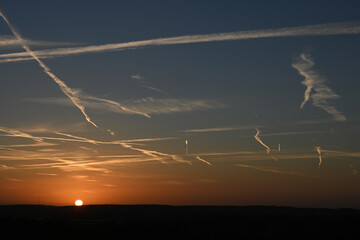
(148, 98)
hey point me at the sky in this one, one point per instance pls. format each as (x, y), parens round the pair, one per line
(180, 102)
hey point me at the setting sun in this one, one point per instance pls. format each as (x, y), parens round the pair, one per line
(78, 203)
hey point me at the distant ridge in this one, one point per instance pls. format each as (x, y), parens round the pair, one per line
(177, 222)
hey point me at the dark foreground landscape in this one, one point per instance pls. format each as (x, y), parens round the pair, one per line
(176, 222)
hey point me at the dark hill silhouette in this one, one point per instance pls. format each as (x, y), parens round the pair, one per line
(176, 222)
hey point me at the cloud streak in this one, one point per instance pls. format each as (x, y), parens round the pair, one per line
(314, 82)
(309, 30)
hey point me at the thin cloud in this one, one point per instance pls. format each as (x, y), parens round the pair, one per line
(316, 87)
(309, 30)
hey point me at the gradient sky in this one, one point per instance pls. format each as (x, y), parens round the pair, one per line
(180, 102)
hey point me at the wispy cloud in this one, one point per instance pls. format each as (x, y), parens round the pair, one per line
(257, 138)
(314, 82)
(309, 30)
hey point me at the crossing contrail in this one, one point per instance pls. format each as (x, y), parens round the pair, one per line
(64, 88)
(261, 142)
(308, 30)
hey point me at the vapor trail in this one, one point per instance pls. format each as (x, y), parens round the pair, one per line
(186, 146)
(117, 105)
(309, 30)
(64, 88)
(160, 156)
(203, 160)
(319, 152)
(279, 147)
(143, 83)
(315, 82)
(261, 142)
(272, 170)
(18, 133)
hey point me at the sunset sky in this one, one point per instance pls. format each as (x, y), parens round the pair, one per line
(180, 102)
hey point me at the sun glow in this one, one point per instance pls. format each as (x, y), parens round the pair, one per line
(78, 203)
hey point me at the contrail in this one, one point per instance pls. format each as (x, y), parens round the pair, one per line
(304, 67)
(143, 83)
(309, 30)
(203, 160)
(272, 170)
(319, 152)
(160, 156)
(315, 82)
(259, 140)
(64, 88)
(118, 105)
(186, 146)
(11, 42)
(279, 148)
(17, 133)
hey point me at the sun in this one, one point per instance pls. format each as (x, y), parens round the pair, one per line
(78, 203)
